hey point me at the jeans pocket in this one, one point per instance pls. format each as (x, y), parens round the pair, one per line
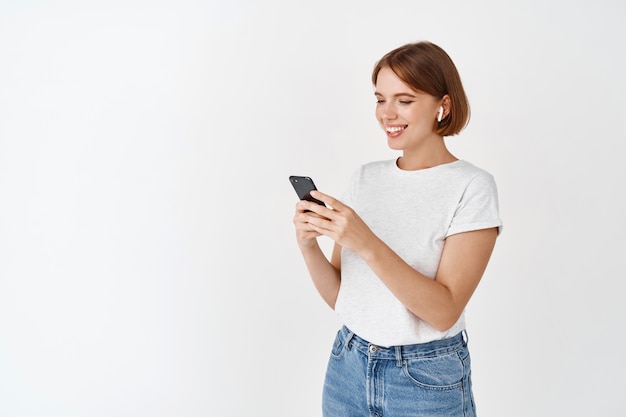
(441, 372)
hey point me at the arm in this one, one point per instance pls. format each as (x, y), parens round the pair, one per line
(439, 302)
(326, 276)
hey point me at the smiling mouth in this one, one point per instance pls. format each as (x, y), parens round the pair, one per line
(395, 130)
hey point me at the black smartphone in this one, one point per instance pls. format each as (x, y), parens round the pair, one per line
(303, 187)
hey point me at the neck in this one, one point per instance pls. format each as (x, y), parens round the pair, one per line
(412, 160)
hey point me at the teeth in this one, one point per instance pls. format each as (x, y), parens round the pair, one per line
(395, 129)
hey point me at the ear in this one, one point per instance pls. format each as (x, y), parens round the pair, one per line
(445, 103)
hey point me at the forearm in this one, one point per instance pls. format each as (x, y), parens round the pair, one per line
(324, 275)
(425, 297)
(439, 301)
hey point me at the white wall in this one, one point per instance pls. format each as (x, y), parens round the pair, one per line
(147, 260)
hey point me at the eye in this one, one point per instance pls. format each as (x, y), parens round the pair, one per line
(380, 101)
(405, 102)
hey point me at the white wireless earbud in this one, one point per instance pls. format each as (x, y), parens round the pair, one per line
(440, 115)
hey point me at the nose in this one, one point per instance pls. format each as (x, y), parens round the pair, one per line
(387, 111)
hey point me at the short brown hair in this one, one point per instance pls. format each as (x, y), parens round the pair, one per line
(426, 67)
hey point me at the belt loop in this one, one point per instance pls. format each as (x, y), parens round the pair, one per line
(399, 356)
(465, 337)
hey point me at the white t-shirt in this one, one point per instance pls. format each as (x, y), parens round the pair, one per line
(413, 212)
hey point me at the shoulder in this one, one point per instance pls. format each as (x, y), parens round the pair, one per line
(476, 184)
(470, 173)
(466, 168)
(370, 174)
(376, 168)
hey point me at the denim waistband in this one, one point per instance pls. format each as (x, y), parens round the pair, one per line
(420, 350)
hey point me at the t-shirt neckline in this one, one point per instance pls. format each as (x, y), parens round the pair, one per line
(394, 162)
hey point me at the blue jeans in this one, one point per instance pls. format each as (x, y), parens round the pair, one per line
(422, 380)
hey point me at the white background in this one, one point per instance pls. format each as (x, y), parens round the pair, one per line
(148, 265)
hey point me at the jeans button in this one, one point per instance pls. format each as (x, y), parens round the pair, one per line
(373, 349)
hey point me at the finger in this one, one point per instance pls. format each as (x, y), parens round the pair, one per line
(322, 225)
(307, 235)
(301, 207)
(304, 222)
(304, 215)
(309, 207)
(328, 200)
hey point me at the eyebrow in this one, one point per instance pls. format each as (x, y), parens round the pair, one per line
(376, 93)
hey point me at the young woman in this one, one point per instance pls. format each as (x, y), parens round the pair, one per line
(413, 237)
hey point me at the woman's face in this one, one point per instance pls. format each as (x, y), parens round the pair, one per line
(407, 116)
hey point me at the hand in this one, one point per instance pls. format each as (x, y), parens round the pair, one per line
(339, 222)
(305, 233)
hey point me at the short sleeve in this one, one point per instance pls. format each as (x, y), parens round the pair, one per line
(478, 207)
